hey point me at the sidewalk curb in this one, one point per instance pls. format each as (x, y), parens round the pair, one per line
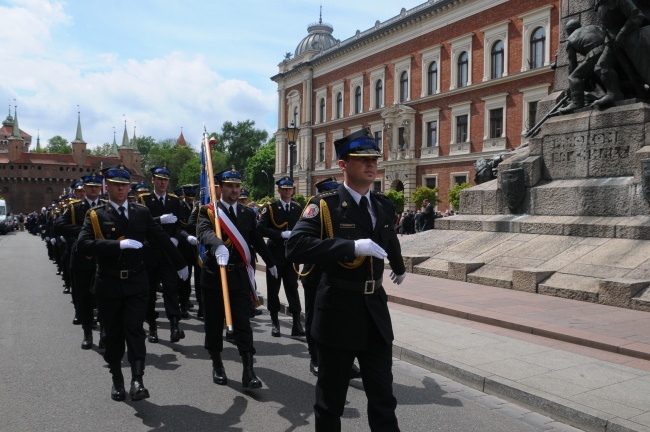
(563, 410)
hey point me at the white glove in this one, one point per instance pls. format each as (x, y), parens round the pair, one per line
(168, 219)
(174, 241)
(397, 279)
(62, 239)
(53, 240)
(222, 255)
(47, 239)
(367, 247)
(273, 271)
(183, 273)
(192, 240)
(285, 234)
(130, 244)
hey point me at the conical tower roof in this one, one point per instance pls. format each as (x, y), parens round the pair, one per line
(114, 146)
(79, 137)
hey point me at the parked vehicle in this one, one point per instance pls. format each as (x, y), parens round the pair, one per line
(4, 216)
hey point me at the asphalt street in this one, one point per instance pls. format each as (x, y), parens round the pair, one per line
(47, 383)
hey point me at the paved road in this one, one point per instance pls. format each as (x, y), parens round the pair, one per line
(47, 383)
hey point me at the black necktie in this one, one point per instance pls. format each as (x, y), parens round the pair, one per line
(162, 201)
(92, 204)
(123, 215)
(231, 213)
(363, 204)
(287, 208)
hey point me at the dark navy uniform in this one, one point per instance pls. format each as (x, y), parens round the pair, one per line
(189, 251)
(351, 317)
(275, 220)
(121, 286)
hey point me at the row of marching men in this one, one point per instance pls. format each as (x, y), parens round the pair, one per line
(344, 235)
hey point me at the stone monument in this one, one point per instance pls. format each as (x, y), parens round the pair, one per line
(569, 211)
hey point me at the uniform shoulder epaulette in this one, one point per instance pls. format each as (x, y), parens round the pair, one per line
(142, 195)
(327, 194)
(74, 201)
(248, 209)
(172, 195)
(103, 200)
(138, 204)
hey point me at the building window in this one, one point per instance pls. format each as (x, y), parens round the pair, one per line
(357, 100)
(460, 179)
(461, 128)
(295, 116)
(403, 86)
(339, 105)
(432, 133)
(402, 143)
(496, 60)
(496, 123)
(537, 42)
(379, 94)
(321, 152)
(378, 140)
(431, 182)
(462, 72)
(532, 114)
(376, 186)
(432, 78)
(321, 113)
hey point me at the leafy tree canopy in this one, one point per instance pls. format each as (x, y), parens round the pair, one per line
(58, 144)
(260, 169)
(423, 192)
(241, 141)
(102, 150)
(397, 198)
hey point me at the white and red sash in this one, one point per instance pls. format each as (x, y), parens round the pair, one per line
(238, 241)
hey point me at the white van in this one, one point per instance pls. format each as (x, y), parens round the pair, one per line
(4, 214)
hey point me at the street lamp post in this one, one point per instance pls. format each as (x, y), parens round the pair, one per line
(292, 136)
(268, 182)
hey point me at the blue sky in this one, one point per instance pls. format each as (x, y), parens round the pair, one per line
(161, 65)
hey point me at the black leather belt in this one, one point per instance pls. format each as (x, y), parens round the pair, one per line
(236, 266)
(122, 274)
(365, 287)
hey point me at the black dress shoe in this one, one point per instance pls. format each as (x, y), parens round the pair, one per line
(118, 393)
(58, 272)
(153, 333)
(76, 320)
(296, 329)
(138, 392)
(219, 375)
(256, 312)
(87, 343)
(313, 368)
(176, 335)
(355, 372)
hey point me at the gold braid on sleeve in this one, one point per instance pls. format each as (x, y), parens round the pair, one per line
(95, 222)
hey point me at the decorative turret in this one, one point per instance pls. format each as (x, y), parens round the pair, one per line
(181, 140)
(15, 141)
(79, 145)
(38, 142)
(126, 151)
(114, 152)
(319, 37)
(9, 121)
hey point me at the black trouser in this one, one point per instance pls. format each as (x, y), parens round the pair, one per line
(288, 277)
(240, 307)
(197, 286)
(185, 288)
(163, 273)
(376, 374)
(122, 319)
(310, 300)
(84, 301)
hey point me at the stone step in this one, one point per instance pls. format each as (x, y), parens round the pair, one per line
(571, 286)
(630, 227)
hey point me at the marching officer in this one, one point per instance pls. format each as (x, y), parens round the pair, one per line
(69, 226)
(239, 233)
(189, 251)
(276, 222)
(114, 232)
(351, 317)
(310, 279)
(165, 209)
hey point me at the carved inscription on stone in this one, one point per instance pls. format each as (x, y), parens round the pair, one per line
(596, 153)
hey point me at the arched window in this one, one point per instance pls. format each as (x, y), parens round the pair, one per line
(295, 116)
(403, 86)
(379, 94)
(537, 43)
(463, 65)
(432, 78)
(321, 112)
(339, 105)
(357, 100)
(496, 60)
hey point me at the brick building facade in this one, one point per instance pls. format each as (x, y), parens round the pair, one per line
(30, 181)
(439, 85)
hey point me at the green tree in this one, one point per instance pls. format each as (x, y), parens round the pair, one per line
(397, 198)
(241, 141)
(260, 170)
(58, 144)
(144, 145)
(191, 171)
(423, 192)
(454, 194)
(102, 150)
(300, 199)
(167, 153)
